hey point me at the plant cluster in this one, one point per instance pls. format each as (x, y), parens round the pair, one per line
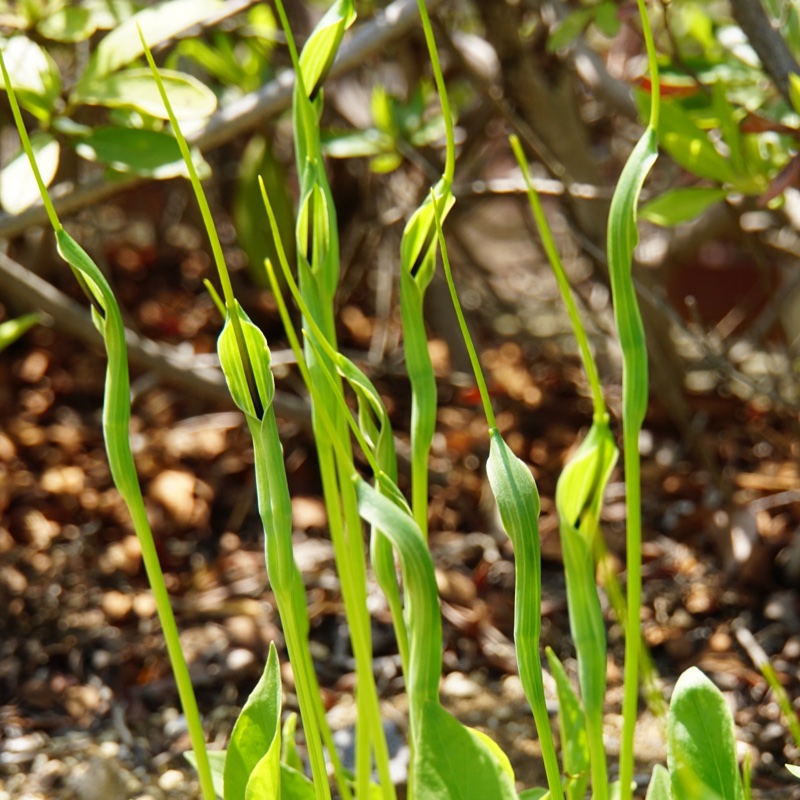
(448, 760)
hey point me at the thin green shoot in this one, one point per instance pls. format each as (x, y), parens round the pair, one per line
(116, 419)
(622, 238)
(213, 237)
(518, 502)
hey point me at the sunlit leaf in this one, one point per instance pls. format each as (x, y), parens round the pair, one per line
(18, 187)
(158, 23)
(136, 88)
(12, 329)
(72, 23)
(34, 75)
(680, 205)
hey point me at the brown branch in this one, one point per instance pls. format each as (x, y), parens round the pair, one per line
(768, 43)
(187, 373)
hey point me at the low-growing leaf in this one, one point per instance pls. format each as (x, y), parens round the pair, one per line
(680, 205)
(295, 785)
(12, 329)
(451, 763)
(71, 23)
(659, 784)
(690, 146)
(151, 154)
(794, 770)
(34, 75)
(569, 29)
(607, 18)
(256, 736)
(794, 90)
(537, 793)
(136, 88)
(158, 23)
(572, 726)
(216, 759)
(701, 747)
(18, 187)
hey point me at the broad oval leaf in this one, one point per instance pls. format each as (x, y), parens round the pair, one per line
(680, 205)
(659, 784)
(794, 770)
(701, 747)
(135, 88)
(34, 75)
(72, 23)
(158, 23)
(151, 154)
(257, 736)
(216, 760)
(18, 187)
(451, 763)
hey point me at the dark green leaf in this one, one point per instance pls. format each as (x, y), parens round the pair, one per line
(151, 154)
(569, 29)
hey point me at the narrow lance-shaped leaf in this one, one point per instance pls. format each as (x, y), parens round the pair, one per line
(572, 725)
(622, 238)
(323, 44)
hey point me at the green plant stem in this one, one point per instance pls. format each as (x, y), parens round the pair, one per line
(621, 241)
(116, 420)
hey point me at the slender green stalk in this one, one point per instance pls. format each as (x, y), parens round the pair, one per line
(318, 268)
(579, 496)
(518, 502)
(622, 237)
(418, 263)
(116, 421)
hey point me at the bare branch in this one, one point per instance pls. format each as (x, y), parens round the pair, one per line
(768, 43)
(190, 374)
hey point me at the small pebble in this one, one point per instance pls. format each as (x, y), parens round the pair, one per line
(171, 780)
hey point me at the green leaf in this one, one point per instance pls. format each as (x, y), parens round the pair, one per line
(569, 29)
(572, 725)
(136, 88)
(659, 784)
(607, 18)
(108, 14)
(537, 793)
(701, 747)
(152, 154)
(580, 487)
(12, 329)
(254, 747)
(794, 770)
(295, 785)
(289, 754)
(18, 187)
(216, 758)
(680, 205)
(233, 368)
(158, 23)
(72, 23)
(690, 146)
(357, 144)
(321, 48)
(451, 763)
(34, 75)
(794, 90)
(255, 238)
